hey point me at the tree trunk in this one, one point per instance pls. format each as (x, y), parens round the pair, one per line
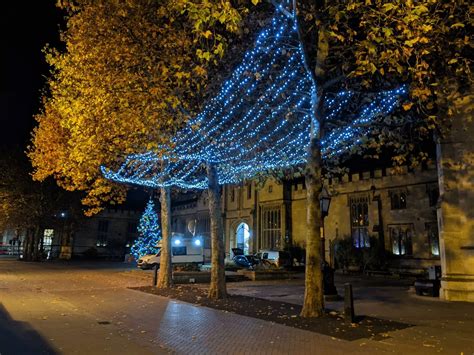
(315, 44)
(36, 252)
(313, 304)
(27, 245)
(165, 279)
(217, 289)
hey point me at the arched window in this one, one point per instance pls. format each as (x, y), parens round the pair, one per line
(243, 237)
(398, 200)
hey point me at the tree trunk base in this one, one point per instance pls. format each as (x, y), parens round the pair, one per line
(216, 294)
(311, 312)
(165, 283)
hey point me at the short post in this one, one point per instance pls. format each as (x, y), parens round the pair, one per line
(155, 275)
(348, 303)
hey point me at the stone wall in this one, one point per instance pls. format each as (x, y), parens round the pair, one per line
(242, 206)
(116, 236)
(456, 210)
(376, 188)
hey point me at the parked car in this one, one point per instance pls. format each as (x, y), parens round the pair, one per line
(240, 259)
(183, 251)
(278, 258)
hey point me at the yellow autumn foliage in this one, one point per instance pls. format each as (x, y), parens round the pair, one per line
(375, 45)
(125, 81)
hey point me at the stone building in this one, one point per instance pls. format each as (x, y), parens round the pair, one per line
(106, 235)
(11, 242)
(398, 210)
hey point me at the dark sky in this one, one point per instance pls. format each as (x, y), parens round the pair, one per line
(25, 29)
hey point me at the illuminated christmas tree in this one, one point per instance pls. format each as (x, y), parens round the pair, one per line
(149, 233)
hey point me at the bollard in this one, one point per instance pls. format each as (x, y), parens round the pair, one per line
(348, 303)
(155, 275)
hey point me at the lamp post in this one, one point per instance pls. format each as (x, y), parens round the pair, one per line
(325, 202)
(330, 290)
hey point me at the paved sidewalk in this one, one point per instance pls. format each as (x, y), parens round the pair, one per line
(74, 310)
(438, 325)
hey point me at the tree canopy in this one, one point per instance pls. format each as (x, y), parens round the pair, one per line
(373, 45)
(30, 206)
(129, 76)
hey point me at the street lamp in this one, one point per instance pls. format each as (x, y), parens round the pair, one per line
(328, 273)
(324, 203)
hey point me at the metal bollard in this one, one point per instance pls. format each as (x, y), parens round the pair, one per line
(348, 303)
(155, 275)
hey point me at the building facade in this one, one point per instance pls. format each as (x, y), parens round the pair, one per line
(11, 242)
(398, 210)
(109, 234)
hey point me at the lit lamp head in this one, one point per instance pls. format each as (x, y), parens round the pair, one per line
(324, 201)
(197, 242)
(177, 242)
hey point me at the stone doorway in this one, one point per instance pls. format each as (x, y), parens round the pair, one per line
(242, 237)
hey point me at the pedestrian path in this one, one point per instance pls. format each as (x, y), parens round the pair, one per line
(76, 310)
(159, 322)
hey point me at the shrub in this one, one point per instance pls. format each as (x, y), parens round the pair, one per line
(347, 255)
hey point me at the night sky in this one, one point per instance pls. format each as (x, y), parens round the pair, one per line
(25, 28)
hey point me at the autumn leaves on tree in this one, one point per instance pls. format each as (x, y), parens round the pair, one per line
(130, 74)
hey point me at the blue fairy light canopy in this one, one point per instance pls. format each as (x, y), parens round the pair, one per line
(260, 120)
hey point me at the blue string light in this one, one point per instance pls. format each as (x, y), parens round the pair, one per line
(259, 121)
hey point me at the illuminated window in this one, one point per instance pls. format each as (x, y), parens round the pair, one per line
(243, 237)
(48, 236)
(401, 239)
(102, 230)
(433, 238)
(271, 228)
(398, 200)
(360, 221)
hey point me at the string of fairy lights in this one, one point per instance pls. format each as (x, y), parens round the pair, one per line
(260, 120)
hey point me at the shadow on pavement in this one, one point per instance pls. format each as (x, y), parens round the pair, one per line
(20, 338)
